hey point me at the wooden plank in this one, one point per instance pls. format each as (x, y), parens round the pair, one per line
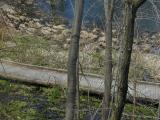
(88, 82)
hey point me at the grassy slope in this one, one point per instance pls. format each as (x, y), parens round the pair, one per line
(25, 102)
(44, 51)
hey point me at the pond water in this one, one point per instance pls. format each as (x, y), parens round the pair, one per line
(148, 16)
(147, 19)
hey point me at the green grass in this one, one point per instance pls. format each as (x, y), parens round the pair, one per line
(45, 51)
(141, 111)
(27, 102)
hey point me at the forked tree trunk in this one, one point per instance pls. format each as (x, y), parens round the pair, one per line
(131, 7)
(72, 60)
(108, 6)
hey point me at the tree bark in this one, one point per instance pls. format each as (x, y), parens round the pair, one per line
(158, 111)
(108, 6)
(72, 60)
(131, 7)
(78, 92)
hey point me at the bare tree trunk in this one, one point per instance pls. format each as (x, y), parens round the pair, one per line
(131, 7)
(72, 60)
(158, 111)
(108, 6)
(78, 92)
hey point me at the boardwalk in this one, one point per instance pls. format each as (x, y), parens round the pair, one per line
(90, 82)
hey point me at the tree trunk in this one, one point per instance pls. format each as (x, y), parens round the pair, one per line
(131, 7)
(158, 111)
(72, 60)
(78, 92)
(108, 6)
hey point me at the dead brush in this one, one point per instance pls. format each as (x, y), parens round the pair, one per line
(3, 34)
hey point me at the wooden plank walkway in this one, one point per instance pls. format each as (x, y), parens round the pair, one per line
(90, 82)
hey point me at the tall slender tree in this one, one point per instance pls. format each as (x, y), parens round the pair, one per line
(72, 60)
(131, 7)
(108, 7)
(158, 111)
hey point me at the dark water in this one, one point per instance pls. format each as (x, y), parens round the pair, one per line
(93, 12)
(148, 16)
